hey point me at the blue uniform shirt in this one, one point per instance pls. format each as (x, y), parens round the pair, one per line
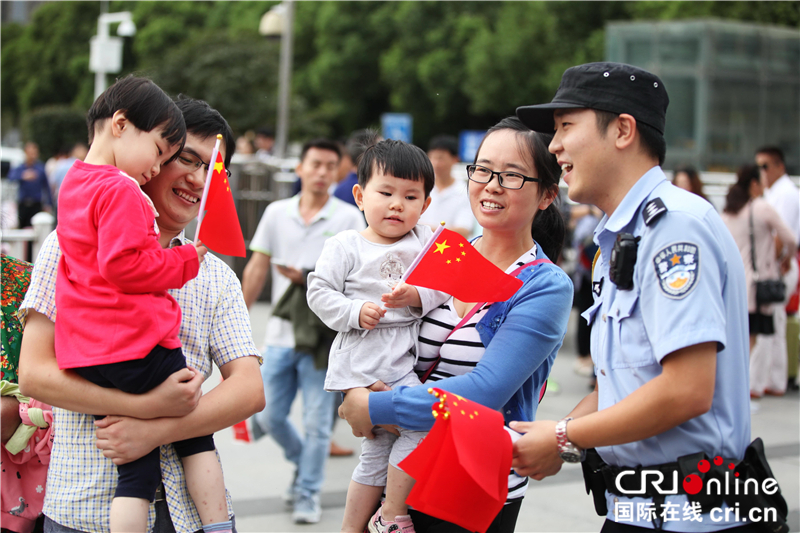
(689, 288)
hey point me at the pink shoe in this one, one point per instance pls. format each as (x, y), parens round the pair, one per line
(401, 524)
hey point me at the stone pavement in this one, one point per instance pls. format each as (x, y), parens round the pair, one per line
(257, 474)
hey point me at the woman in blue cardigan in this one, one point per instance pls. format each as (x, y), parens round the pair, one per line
(503, 354)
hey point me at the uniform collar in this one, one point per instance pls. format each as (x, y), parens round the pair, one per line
(630, 204)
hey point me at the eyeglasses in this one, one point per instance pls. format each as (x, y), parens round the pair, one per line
(191, 162)
(764, 167)
(507, 180)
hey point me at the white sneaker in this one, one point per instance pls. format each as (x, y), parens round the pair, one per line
(307, 509)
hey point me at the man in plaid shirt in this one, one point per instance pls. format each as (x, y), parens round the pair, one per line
(215, 328)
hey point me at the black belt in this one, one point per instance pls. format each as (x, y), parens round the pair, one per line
(600, 477)
(662, 479)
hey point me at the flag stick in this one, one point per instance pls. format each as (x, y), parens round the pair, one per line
(416, 262)
(207, 185)
(420, 255)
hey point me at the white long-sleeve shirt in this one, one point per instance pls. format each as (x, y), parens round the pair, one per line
(350, 272)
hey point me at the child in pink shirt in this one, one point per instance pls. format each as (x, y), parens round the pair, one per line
(117, 326)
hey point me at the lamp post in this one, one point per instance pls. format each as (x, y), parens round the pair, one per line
(106, 51)
(279, 21)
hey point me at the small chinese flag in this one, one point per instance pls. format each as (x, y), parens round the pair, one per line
(240, 432)
(454, 266)
(220, 229)
(461, 468)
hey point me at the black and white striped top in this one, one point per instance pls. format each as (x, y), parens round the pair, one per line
(461, 352)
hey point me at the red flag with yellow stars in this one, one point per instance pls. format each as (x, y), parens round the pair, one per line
(454, 266)
(219, 229)
(461, 468)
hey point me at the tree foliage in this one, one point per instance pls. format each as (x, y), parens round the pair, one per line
(47, 61)
(452, 65)
(228, 73)
(56, 128)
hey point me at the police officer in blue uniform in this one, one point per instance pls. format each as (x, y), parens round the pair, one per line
(669, 336)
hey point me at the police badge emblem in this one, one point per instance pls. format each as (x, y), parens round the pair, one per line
(677, 269)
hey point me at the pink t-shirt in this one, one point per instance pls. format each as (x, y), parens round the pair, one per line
(113, 276)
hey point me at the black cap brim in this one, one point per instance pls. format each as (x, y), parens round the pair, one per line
(540, 117)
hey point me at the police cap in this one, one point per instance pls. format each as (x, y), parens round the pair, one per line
(613, 87)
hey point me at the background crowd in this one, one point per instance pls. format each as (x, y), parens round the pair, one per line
(761, 210)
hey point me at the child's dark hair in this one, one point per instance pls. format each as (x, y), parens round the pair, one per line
(401, 160)
(548, 228)
(145, 105)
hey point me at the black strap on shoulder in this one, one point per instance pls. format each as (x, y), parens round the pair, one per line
(653, 211)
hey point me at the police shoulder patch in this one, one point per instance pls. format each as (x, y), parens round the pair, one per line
(677, 268)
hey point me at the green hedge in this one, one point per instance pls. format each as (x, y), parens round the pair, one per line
(54, 127)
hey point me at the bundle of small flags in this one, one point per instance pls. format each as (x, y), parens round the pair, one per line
(461, 468)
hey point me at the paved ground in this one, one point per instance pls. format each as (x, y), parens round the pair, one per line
(257, 474)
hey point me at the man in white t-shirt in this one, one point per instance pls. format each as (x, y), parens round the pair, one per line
(779, 190)
(449, 198)
(287, 243)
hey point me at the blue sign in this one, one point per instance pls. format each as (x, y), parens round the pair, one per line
(397, 126)
(468, 143)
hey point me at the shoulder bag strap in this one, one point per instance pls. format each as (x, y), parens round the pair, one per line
(472, 312)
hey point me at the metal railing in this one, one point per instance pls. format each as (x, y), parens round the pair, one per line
(256, 184)
(16, 241)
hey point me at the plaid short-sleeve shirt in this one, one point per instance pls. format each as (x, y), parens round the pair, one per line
(215, 326)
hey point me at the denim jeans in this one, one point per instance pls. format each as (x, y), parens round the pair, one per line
(285, 371)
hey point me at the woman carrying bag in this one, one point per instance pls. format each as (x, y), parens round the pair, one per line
(756, 227)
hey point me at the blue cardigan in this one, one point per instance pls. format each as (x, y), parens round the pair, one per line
(522, 336)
